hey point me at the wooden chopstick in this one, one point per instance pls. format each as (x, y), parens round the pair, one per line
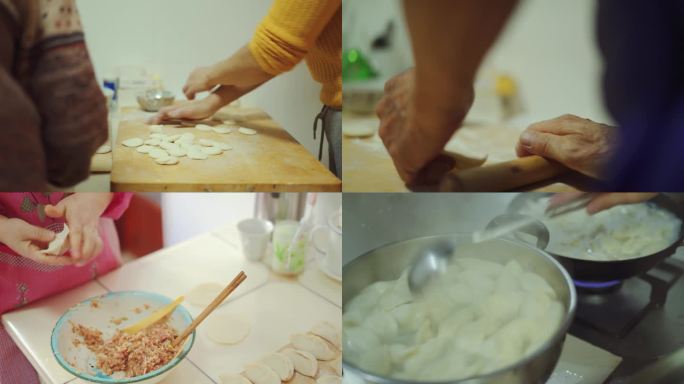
(217, 301)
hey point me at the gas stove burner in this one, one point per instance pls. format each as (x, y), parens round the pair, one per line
(597, 286)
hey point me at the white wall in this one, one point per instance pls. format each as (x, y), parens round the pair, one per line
(548, 46)
(185, 215)
(171, 37)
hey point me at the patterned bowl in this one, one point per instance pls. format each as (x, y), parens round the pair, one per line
(107, 313)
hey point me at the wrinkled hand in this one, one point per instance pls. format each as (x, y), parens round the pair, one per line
(82, 212)
(414, 130)
(198, 81)
(579, 144)
(191, 110)
(27, 240)
(601, 201)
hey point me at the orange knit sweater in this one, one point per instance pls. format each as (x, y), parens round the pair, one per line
(303, 29)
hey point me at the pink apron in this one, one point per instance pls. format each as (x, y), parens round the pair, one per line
(23, 281)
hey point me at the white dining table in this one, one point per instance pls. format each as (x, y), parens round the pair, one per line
(276, 306)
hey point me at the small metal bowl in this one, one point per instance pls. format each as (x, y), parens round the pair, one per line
(154, 100)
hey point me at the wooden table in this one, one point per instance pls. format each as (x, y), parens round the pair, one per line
(367, 166)
(271, 161)
(275, 306)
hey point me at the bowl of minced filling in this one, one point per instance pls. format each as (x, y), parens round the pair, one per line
(89, 343)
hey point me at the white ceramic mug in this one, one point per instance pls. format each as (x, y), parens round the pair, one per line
(254, 236)
(333, 239)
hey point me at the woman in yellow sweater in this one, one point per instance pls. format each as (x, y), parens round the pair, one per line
(294, 30)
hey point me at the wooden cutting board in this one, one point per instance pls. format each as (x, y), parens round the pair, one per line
(271, 161)
(367, 166)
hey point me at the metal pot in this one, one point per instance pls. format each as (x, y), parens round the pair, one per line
(605, 271)
(389, 261)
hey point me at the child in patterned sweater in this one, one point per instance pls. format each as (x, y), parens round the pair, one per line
(27, 275)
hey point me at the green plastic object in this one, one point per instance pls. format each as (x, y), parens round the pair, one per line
(355, 66)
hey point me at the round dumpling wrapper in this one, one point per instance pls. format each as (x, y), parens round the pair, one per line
(226, 328)
(203, 294)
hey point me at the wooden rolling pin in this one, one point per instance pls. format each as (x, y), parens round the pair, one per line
(501, 177)
(429, 177)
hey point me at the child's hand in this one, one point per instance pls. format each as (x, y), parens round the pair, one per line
(82, 212)
(21, 237)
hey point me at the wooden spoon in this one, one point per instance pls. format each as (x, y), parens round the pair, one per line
(217, 301)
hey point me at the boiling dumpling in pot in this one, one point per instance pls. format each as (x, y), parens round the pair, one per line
(353, 318)
(398, 294)
(376, 360)
(432, 350)
(480, 266)
(408, 316)
(460, 294)
(369, 298)
(383, 325)
(513, 268)
(480, 284)
(476, 318)
(425, 332)
(545, 329)
(535, 306)
(399, 353)
(437, 307)
(452, 325)
(359, 339)
(508, 282)
(531, 282)
(501, 306)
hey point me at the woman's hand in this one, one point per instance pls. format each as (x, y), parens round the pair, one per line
(601, 201)
(414, 129)
(82, 212)
(199, 81)
(579, 144)
(191, 110)
(24, 239)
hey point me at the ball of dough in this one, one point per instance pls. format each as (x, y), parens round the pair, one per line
(203, 127)
(153, 142)
(211, 150)
(187, 137)
(144, 148)
(247, 131)
(104, 149)
(206, 142)
(177, 151)
(169, 160)
(196, 154)
(226, 328)
(157, 153)
(168, 145)
(133, 142)
(222, 130)
(223, 146)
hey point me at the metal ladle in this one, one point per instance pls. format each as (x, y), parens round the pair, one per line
(433, 261)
